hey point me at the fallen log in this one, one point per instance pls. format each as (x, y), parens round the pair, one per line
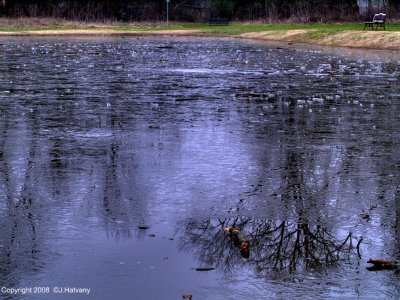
(240, 240)
(382, 264)
(204, 269)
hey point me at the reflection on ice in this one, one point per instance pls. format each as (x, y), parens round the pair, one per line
(94, 133)
(202, 71)
(296, 147)
(274, 246)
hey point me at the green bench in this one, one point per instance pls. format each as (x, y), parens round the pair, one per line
(218, 21)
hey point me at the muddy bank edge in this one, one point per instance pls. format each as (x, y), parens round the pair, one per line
(384, 40)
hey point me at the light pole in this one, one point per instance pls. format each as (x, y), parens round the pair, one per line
(167, 11)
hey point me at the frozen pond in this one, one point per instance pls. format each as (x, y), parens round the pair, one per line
(297, 148)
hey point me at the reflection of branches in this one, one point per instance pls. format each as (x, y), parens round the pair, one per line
(277, 246)
(211, 246)
(297, 245)
(21, 246)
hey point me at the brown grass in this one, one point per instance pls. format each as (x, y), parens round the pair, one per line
(358, 39)
(25, 22)
(368, 39)
(279, 35)
(98, 31)
(36, 22)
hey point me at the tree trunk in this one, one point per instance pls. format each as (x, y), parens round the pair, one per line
(395, 5)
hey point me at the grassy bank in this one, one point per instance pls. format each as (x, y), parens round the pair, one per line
(338, 34)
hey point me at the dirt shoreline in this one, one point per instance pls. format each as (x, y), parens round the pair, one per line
(382, 40)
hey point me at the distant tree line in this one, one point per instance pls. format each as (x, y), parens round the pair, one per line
(191, 10)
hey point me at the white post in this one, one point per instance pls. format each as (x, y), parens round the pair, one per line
(167, 11)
